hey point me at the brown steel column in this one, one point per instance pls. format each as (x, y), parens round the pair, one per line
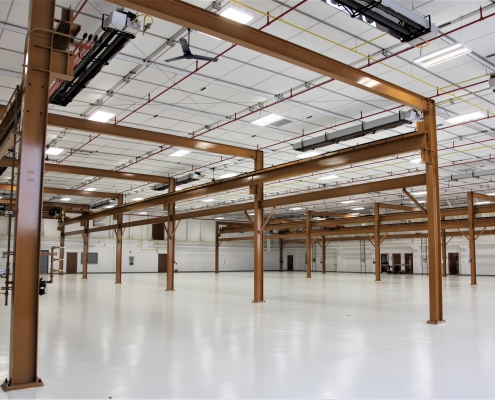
(171, 240)
(217, 247)
(26, 272)
(444, 252)
(472, 238)
(62, 251)
(430, 156)
(118, 248)
(258, 233)
(281, 254)
(308, 244)
(323, 255)
(378, 257)
(85, 250)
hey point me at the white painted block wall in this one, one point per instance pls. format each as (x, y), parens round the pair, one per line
(195, 250)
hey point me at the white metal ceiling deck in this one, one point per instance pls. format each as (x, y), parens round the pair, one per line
(243, 78)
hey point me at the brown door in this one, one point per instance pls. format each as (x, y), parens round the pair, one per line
(290, 263)
(71, 263)
(162, 263)
(396, 263)
(408, 263)
(453, 263)
(157, 232)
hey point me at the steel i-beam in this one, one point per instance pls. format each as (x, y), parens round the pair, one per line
(258, 233)
(24, 316)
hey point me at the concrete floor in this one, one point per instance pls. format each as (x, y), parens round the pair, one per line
(333, 336)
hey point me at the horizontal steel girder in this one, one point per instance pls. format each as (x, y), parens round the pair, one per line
(102, 173)
(142, 135)
(365, 152)
(389, 184)
(71, 192)
(185, 14)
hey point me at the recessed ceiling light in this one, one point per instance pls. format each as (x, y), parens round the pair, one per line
(347, 201)
(251, 213)
(65, 199)
(179, 187)
(228, 175)
(137, 198)
(180, 153)
(1, 197)
(307, 154)
(267, 120)
(54, 151)
(440, 56)
(357, 208)
(418, 193)
(295, 208)
(143, 213)
(328, 177)
(237, 14)
(480, 203)
(208, 200)
(101, 116)
(110, 206)
(89, 189)
(416, 160)
(465, 118)
(354, 214)
(219, 218)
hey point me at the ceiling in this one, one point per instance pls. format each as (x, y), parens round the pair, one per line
(242, 79)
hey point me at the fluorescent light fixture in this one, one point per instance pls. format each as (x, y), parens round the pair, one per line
(214, 37)
(308, 154)
(208, 200)
(101, 116)
(416, 161)
(137, 198)
(143, 213)
(251, 213)
(446, 54)
(269, 119)
(490, 194)
(89, 189)
(295, 208)
(368, 82)
(237, 14)
(357, 208)
(110, 206)
(480, 203)
(179, 188)
(354, 214)
(219, 218)
(228, 175)
(54, 151)
(180, 153)
(418, 193)
(328, 177)
(466, 118)
(65, 199)
(347, 201)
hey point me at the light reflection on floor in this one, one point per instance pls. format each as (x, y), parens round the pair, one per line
(332, 336)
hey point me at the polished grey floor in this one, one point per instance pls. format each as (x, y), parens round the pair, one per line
(332, 336)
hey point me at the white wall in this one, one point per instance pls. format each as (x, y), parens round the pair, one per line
(195, 250)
